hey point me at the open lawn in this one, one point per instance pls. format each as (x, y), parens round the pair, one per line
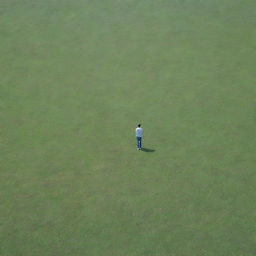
(76, 78)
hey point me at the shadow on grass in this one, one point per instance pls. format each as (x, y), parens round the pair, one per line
(148, 150)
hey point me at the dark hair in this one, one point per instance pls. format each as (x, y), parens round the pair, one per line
(138, 125)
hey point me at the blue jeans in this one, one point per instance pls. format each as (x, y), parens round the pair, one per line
(139, 142)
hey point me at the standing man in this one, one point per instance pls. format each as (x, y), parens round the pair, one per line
(139, 132)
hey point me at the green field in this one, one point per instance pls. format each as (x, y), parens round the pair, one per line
(76, 78)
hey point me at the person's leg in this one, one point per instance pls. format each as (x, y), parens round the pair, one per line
(140, 142)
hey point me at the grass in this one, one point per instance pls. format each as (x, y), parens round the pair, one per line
(77, 77)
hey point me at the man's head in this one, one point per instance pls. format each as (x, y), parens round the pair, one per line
(139, 125)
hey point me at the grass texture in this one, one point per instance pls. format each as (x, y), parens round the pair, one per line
(76, 78)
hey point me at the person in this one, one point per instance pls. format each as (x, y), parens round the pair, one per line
(139, 132)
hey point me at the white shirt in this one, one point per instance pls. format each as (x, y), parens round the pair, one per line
(139, 132)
